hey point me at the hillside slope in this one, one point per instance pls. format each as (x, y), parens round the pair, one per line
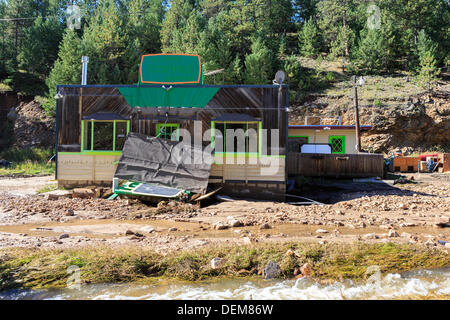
(402, 114)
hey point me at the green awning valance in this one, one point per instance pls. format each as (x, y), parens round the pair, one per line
(177, 97)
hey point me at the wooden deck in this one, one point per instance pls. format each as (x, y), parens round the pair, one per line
(335, 165)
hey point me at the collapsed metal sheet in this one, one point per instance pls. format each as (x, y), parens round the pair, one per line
(163, 162)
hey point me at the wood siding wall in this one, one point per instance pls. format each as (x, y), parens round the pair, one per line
(336, 166)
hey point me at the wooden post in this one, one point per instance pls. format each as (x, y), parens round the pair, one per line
(355, 101)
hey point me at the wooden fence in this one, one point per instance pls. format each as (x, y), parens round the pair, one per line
(335, 165)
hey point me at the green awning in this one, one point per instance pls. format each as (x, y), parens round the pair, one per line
(177, 97)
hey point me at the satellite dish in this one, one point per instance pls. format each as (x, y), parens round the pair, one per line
(279, 77)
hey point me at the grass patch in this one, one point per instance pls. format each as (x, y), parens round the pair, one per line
(28, 168)
(27, 154)
(31, 268)
(27, 162)
(50, 187)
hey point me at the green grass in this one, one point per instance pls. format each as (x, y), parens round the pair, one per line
(49, 187)
(27, 162)
(27, 154)
(38, 268)
(28, 168)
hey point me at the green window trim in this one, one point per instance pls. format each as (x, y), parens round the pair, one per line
(113, 151)
(259, 147)
(331, 140)
(168, 125)
(307, 137)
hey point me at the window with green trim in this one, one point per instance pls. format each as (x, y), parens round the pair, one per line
(104, 135)
(167, 130)
(337, 144)
(236, 137)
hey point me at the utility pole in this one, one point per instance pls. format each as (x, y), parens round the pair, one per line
(355, 102)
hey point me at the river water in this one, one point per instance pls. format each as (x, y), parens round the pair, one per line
(413, 285)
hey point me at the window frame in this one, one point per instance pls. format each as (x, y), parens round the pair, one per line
(172, 125)
(91, 150)
(259, 134)
(343, 144)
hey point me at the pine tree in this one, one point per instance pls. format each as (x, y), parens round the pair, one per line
(67, 68)
(39, 50)
(258, 63)
(105, 41)
(308, 39)
(371, 53)
(426, 51)
(293, 70)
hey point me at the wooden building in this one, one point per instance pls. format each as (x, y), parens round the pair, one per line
(94, 120)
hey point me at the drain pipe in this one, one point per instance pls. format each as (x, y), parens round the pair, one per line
(84, 60)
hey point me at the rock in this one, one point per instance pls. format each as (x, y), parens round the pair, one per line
(447, 245)
(393, 234)
(70, 213)
(57, 194)
(64, 236)
(234, 223)
(272, 270)
(306, 270)
(441, 221)
(321, 231)
(172, 229)
(83, 193)
(265, 226)
(403, 206)
(408, 224)
(220, 226)
(370, 236)
(247, 240)
(217, 263)
(147, 229)
(129, 233)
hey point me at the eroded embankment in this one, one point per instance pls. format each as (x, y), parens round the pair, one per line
(31, 268)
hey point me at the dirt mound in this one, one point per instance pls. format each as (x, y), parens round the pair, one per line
(32, 127)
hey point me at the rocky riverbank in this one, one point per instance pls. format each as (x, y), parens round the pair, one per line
(31, 268)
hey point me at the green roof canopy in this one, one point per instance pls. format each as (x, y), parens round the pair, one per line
(194, 97)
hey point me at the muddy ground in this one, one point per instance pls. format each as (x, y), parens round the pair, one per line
(365, 211)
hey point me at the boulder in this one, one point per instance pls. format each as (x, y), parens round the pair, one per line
(64, 236)
(217, 263)
(370, 236)
(83, 193)
(306, 270)
(393, 234)
(234, 223)
(272, 270)
(220, 226)
(265, 226)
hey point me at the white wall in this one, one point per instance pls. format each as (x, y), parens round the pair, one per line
(323, 136)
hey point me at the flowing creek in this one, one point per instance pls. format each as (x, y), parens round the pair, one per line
(424, 284)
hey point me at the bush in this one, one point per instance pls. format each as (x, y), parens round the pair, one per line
(27, 154)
